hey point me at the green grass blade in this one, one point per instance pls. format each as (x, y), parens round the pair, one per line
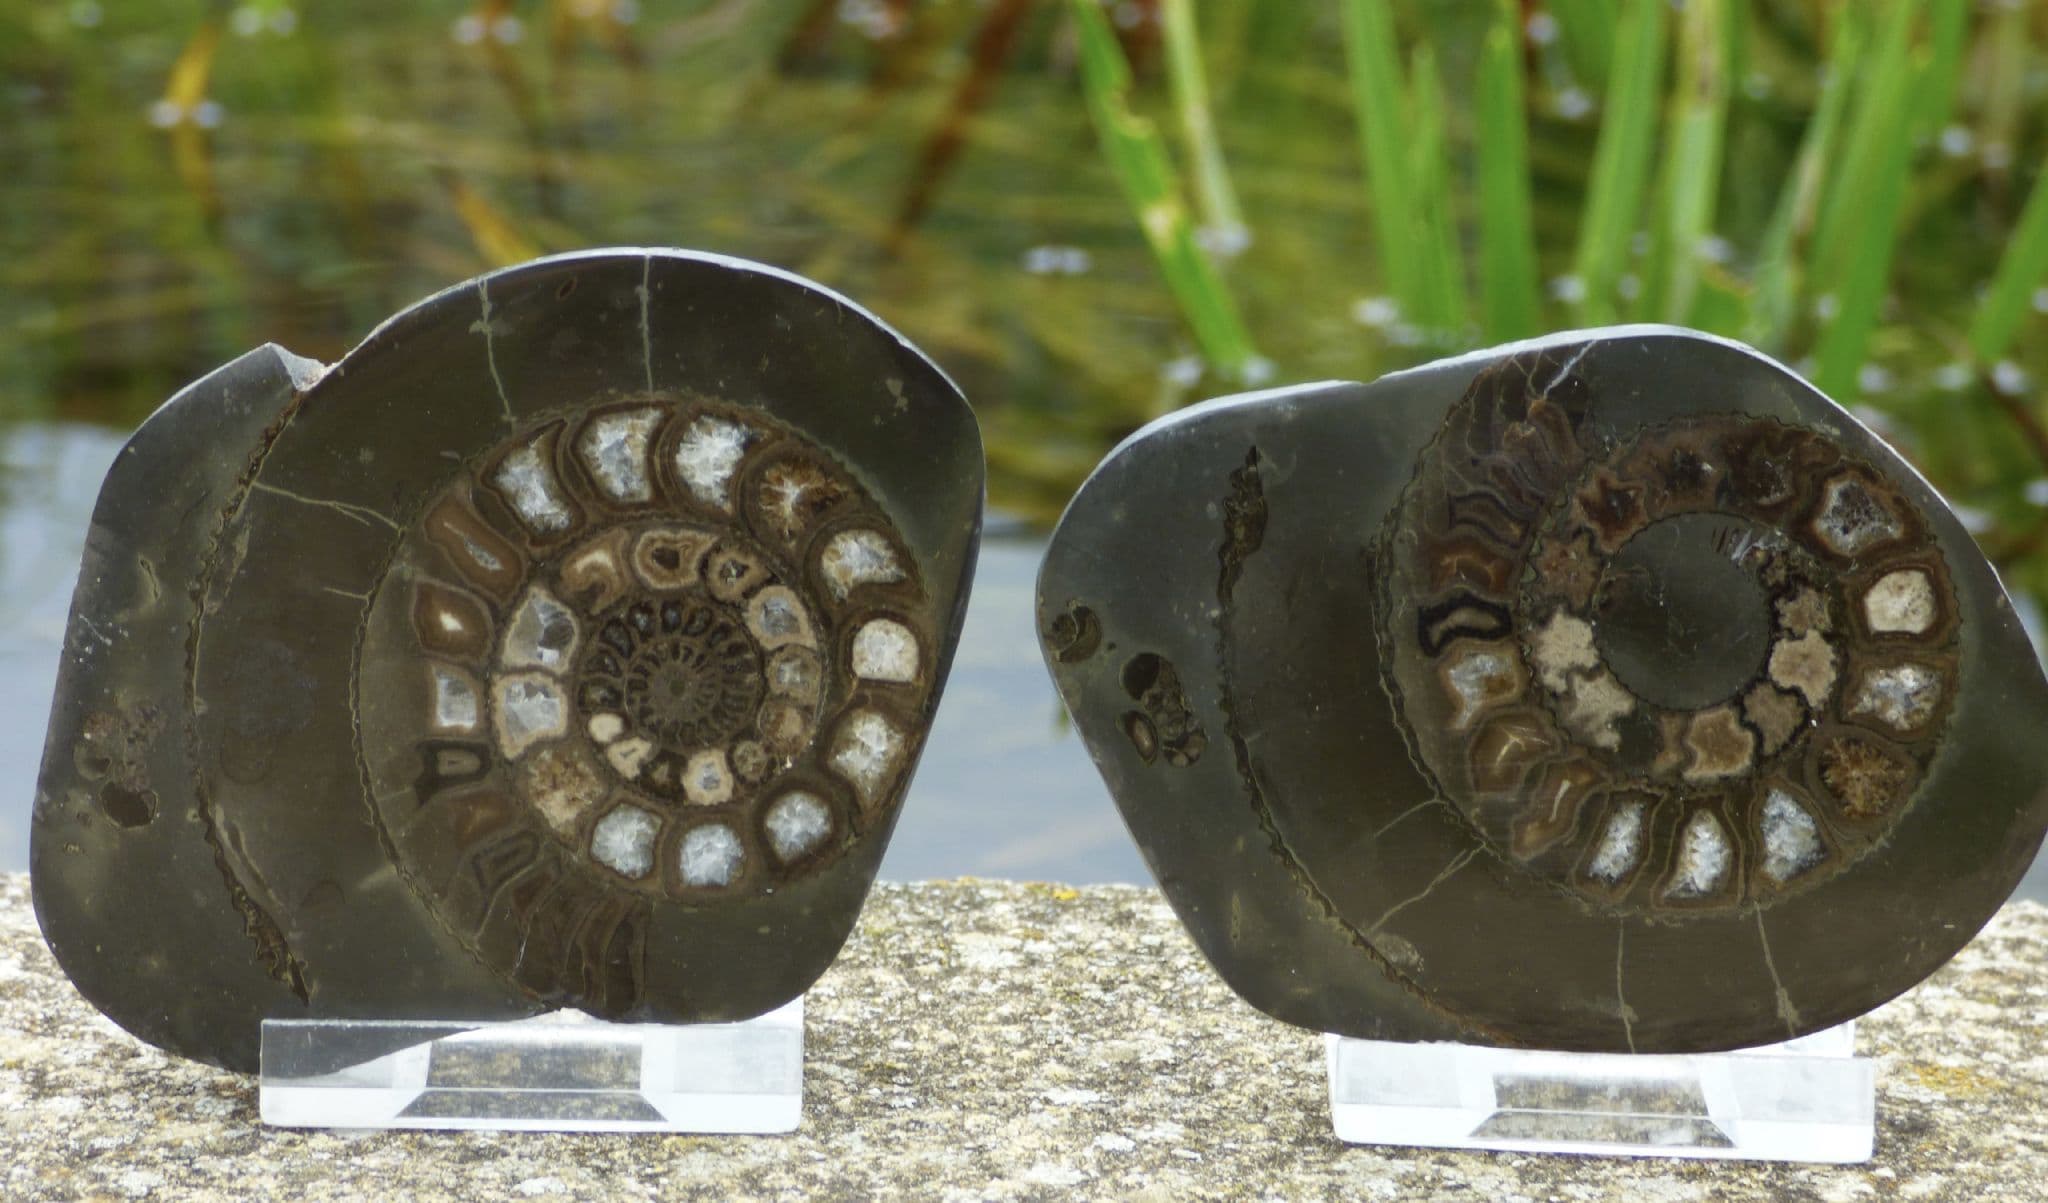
(1442, 286)
(1189, 83)
(1621, 161)
(1137, 157)
(1379, 109)
(2019, 273)
(1948, 31)
(1879, 125)
(1585, 28)
(1691, 170)
(1859, 289)
(1870, 234)
(1509, 286)
(1778, 263)
(2007, 55)
(1737, 22)
(1917, 100)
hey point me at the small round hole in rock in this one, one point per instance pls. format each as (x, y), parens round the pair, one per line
(128, 807)
(1141, 673)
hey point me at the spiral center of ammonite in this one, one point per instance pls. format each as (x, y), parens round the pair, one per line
(1680, 617)
(1693, 669)
(673, 686)
(671, 650)
(693, 680)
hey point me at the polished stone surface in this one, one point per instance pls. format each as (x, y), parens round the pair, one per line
(512, 661)
(1615, 691)
(1004, 789)
(993, 1040)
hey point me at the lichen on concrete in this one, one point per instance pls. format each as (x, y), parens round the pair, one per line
(995, 1040)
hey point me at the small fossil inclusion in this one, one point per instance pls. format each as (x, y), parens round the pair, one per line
(1615, 691)
(570, 642)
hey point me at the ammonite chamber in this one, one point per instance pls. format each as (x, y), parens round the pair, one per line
(1616, 691)
(569, 643)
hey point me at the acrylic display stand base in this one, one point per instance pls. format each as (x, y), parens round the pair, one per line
(1810, 1099)
(563, 1072)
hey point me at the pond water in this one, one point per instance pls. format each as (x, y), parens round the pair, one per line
(180, 181)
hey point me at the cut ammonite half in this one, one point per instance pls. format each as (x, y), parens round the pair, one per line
(1616, 691)
(571, 642)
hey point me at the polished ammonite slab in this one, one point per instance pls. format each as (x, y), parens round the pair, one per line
(569, 643)
(1614, 691)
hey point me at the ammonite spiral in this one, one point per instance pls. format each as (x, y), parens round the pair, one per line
(1692, 668)
(684, 657)
(570, 643)
(1612, 692)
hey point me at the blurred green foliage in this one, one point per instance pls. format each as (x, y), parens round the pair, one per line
(1089, 214)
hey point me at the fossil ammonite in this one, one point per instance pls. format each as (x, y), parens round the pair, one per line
(1616, 691)
(570, 642)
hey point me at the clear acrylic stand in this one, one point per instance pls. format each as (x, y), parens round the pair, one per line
(1810, 1099)
(563, 1072)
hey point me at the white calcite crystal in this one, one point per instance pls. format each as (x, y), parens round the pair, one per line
(623, 841)
(865, 751)
(483, 556)
(793, 493)
(1901, 601)
(1621, 845)
(1704, 857)
(854, 558)
(542, 633)
(1853, 518)
(708, 454)
(614, 449)
(798, 823)
(777, 618)
(710, 855)
(1480, 679)
(1901, 696)
(885, 650)
(529, 708)
(1791, 838)
(794, 672)
(528, 482)
(707, 779)
(456, 705)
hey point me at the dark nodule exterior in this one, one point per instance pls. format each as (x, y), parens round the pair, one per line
(1616, 691)
(571, 642)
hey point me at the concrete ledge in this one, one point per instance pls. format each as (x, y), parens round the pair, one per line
(998, 1040)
